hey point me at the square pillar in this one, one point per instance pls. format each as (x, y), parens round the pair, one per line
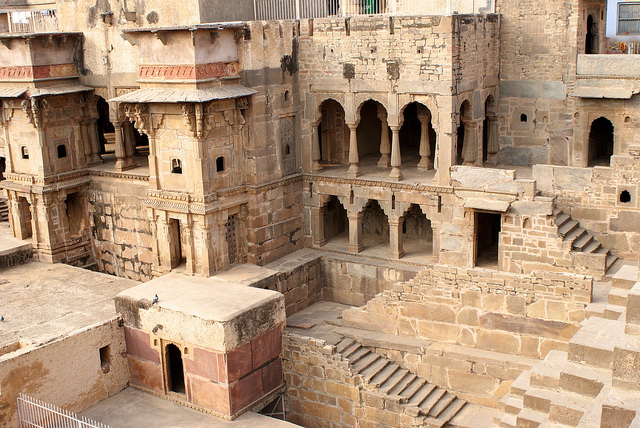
(355, 232)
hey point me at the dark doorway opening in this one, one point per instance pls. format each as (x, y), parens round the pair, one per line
(375, 225)
(175, 244)
(333, 134)
(175, 370)
(591, 39)
(3, 166)
(487, 238)
(335, 220)
(24, 209)
(417, 229)
(601, 142)
(369, 130)
(106, 130)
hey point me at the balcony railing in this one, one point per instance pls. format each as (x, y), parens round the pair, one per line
(37, 21)
(304, 9)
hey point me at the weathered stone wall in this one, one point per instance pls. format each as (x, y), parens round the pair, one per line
(537, 54)
(46, 372)
(123, 237)
(593, 197)
(355, 282)
(480, 308)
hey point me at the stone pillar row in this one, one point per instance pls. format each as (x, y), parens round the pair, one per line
(124, 146)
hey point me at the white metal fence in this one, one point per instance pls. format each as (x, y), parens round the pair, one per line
(303, 9)
(34, 413)
(37, 21)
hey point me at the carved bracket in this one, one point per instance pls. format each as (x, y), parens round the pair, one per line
(144, 121)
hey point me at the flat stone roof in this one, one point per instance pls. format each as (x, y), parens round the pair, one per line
(134, 409)
(205, 298)
(41, 302)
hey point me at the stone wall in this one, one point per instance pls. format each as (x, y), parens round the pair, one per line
(355, 282)
(123, 239)
(480, 308)
(66, 372)
(593, 196)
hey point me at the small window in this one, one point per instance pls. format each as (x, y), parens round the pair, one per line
(25, 152)
(105, 359)
(625, 197)
(287, 150)
(286, 95)
(628, 19)
(523, 118)
(220, 164)
(176, 166)
(62, 151)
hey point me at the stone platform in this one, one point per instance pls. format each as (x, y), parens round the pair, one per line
(132, 408)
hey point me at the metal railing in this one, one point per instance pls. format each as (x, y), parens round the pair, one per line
(36, 21)
(34, 413)
(304, 9)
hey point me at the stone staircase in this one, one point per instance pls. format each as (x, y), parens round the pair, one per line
(586, 386)
(397, 386)
(4, 210)
(581, 240)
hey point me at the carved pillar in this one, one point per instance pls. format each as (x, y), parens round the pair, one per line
(124, 155)
(317, 226)
(354, 158)
(396, 249)
(164, 250)
(493, 145)
(469, 149)
(187, 238)
(385, 147)
(355, 232)
(315, 149)
(425, 142)
(396, 159)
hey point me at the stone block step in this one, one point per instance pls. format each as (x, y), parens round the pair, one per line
(366, 362)
(393, 381)
(529, 418)
(508, 421)
(344, 344)
(625, 278)
(405, 382)
(592, 247)
(580, 243)
(411, 389)
(568, 410)
(422, 394)
(583, 380)
(546, 374)
(384, 374)
(538, 399)
(358, 355)
(561, 219)
(611, 259)
(575, 234)
(521, 384)
(451, 409)
(374, 369)
(512, 405)
(618, 296)
(445, 401)
(568, 227)
(594, 342)
(431, 400)
(351, 350)
(613, 312)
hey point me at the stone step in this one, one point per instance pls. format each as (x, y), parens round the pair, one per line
(513, 405)
(557, 211)
(344, 344)
(529, 418)
(355, 347)
(357, 355)
(583, 380)
(592, 247)
(618, 296)
(538, 399)
(421, 395)
(508, 421)
(405, 382)
(567, 228)
(594, 342)
(625, 278)
(580, 243)
(561, 219)
(393, 380)
(366, 362)
(521, 384)
(374, 369)
(577, 233)
(412, 388)
(384, 374)
(611, 259)
(613, 312)
(431, 400)
(452, 410)
(445, 401)
(568, 410)
(473, 415)
(546, 374)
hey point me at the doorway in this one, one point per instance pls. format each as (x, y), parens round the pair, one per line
(600, 142)
(175, 369)
(175, 243)
(487, 228)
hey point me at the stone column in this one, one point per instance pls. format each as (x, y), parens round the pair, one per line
(124, 159)
(385, 147)
(164, 252)
(315, 149)
(396, 249)
(493, 145)
(94, 142)
(396, 159)
(355, 232)
(469, 149)
(354, 158)
(191, 264)
(317, 226)
(425, 142)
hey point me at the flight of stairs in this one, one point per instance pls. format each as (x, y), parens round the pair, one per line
(578, 388)
(4, 210)
(580, 238)
(398, 386)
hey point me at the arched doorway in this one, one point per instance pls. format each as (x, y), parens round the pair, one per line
(417, 232)
(417, 136)
(369, 132)
(336, 223)
(375, 225)
(591, 38)
(600, 142)
(333, 134)
(463, 140)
